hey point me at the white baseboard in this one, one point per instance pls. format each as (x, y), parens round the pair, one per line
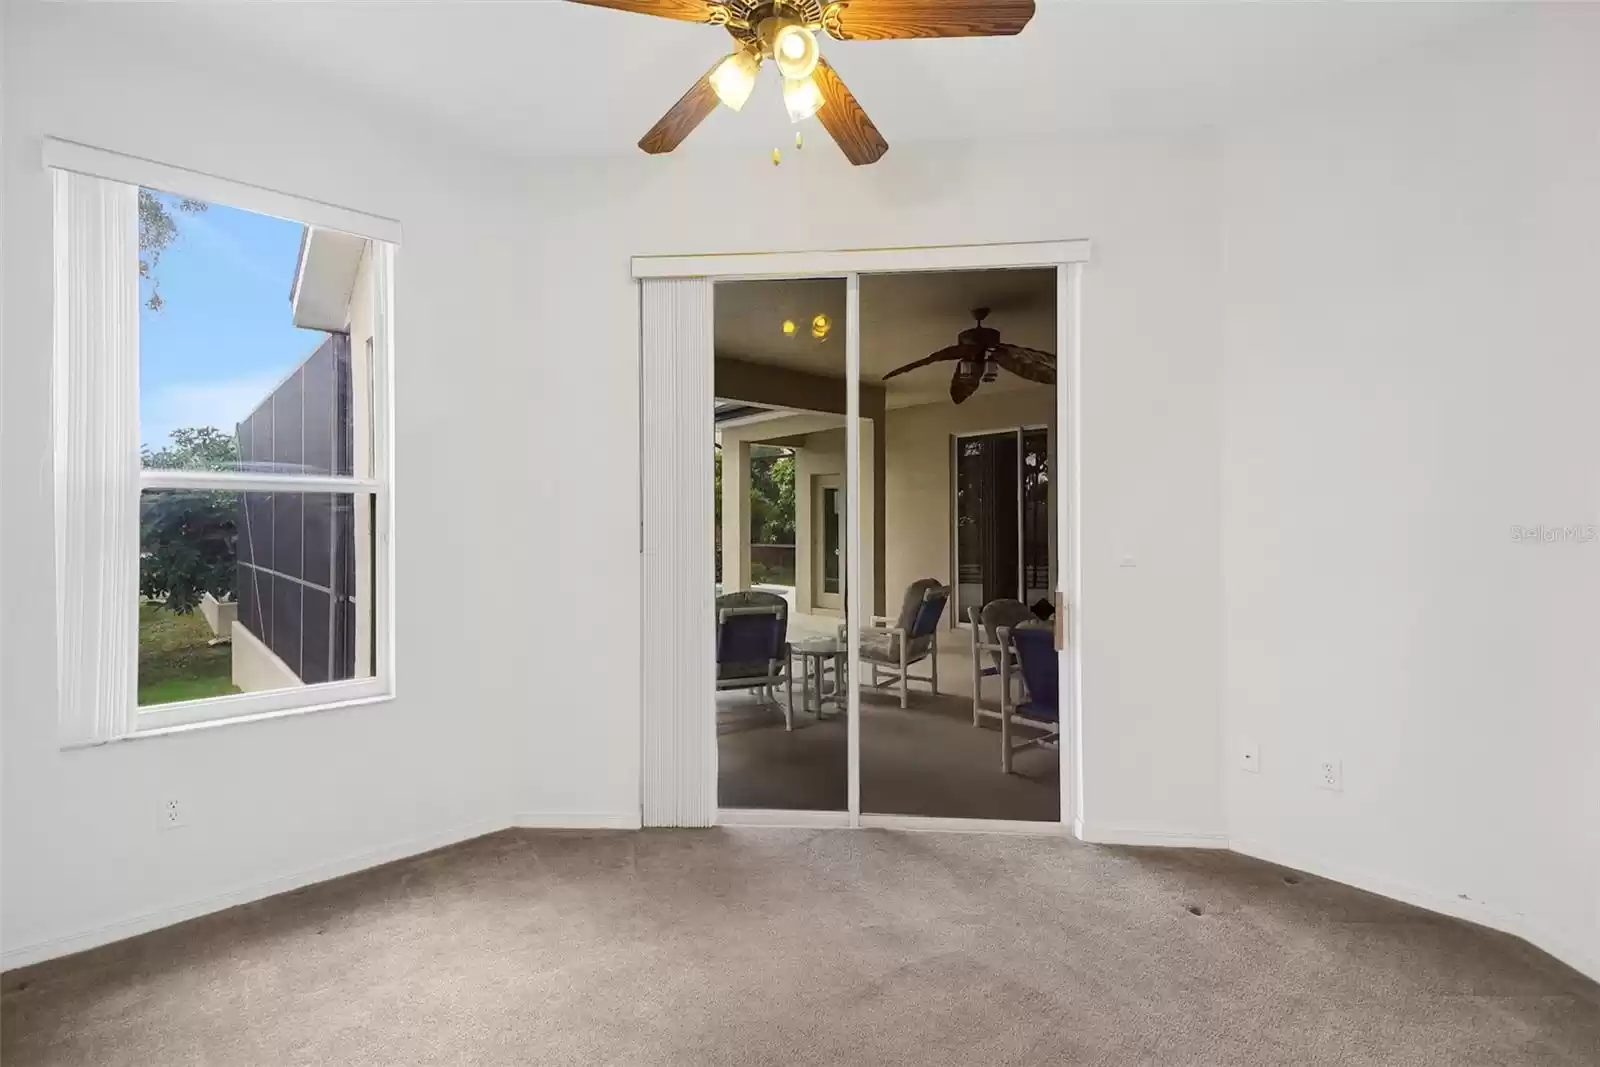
(1095, 834)
(1515, 924)
(50, 948)
(577, 820)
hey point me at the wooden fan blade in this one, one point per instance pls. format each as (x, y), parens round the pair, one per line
(845, 121)
(683, 10)
(965, 381)
(891, 20)
(1029, 363)
(681, 119)
(953, 352)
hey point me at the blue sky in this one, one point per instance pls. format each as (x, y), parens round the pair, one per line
(224, 337)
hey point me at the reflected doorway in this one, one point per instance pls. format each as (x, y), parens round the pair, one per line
(1002, 509)
(830, 540)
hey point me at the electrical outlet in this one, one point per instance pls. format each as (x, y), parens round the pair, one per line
(173, 813)
(1330, 775)
(1250, 757)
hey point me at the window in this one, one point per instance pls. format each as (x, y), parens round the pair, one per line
(222, 470)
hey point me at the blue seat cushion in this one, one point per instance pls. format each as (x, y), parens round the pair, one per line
(1039, 712)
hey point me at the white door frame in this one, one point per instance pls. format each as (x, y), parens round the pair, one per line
(1068, 258)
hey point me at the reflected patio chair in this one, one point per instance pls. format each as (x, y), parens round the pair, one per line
(1040, 666)
(752, 646)
(986, 638)
(914, 637)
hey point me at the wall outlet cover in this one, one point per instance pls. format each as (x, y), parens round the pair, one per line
(1250, 757)
(172, 814)
(1330, 775)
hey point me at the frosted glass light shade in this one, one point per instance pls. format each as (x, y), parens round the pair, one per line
(802, 98)
(735, 78)
(795, 50)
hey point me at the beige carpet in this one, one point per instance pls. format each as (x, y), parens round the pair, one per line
(808, 947)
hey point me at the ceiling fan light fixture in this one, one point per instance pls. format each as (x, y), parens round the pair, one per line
(735, 78)
(794, 49)
(803, 98)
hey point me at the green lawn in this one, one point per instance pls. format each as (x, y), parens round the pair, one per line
(175, 661)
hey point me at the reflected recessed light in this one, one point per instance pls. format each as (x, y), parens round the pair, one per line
(820, 327)
(788, 327)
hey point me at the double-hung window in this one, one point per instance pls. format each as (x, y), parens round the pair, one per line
(221, 448)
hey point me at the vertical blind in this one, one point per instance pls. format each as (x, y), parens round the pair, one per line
(95, 397)
(678, 765)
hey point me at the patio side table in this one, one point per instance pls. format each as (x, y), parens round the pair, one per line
(814, 656)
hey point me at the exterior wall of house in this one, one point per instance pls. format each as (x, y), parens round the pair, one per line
(305, 560)
(293, 548)
(256, 668)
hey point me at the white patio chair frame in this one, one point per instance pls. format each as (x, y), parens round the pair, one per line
(903, 641)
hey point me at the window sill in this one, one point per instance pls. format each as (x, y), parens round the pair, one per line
(165, 722)
(159, 723)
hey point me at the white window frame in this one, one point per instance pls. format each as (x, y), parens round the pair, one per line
(99, 476)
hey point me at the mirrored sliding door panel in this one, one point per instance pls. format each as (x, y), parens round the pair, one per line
(782, 521)
(958, 669)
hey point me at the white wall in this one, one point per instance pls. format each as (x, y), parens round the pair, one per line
(1412, 369)
(1150, 435)
(300, 797)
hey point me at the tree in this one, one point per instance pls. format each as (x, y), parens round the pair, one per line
(194, 448)
(158, 228)
(772, 499)
(188, 538)
(783, 481)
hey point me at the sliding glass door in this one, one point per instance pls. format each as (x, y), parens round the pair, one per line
(886, 425)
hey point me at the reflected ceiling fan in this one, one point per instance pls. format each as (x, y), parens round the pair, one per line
(980, 356)
(785, 31)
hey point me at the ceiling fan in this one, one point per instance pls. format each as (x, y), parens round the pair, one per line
(785, 31)
(980, 356)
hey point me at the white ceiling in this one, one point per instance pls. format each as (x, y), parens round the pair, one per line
(543, 77)
(903, 318)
